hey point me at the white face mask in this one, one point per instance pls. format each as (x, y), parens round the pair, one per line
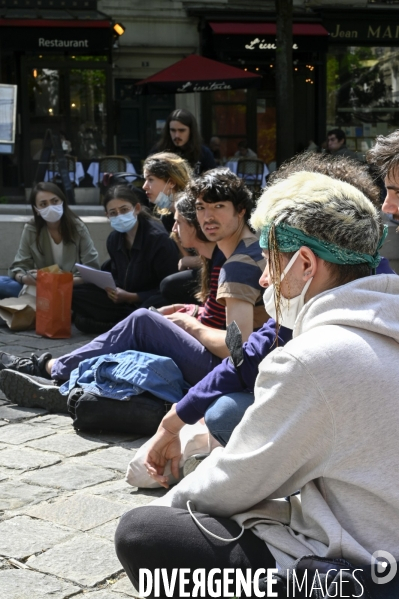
(290, 308)
(51, 214)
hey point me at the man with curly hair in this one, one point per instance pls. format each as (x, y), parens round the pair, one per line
(385, 156)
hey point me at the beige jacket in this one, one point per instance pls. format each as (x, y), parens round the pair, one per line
(29, 257)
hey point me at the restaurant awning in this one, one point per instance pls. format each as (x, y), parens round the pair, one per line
(55, 31)
(197, 74)
(265, 29)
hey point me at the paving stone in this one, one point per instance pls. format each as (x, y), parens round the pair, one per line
(16, 434)
(136, 444)
(107, 530)
(116, 458)
(26, 459)
(4, 565)
(41, 344)
(106, 593)
(15, 494)
(8, 338)
(58, 421)
(14, 413)
(86, 560)
(19, 349)
(125, 586)
(82, 512)
(21, 536)
(111, 437)
(67, 444)
(4, 473)
(121, 491)
(69, 476)
(24, 584)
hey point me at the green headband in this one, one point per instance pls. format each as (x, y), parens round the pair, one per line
(290, 239)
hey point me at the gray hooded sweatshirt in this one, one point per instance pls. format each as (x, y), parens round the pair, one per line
(326, 421)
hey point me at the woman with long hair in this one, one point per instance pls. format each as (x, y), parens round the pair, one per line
(166, 175)
(54, 236)
(141, 255)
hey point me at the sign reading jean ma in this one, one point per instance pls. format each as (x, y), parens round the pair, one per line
(382, 31)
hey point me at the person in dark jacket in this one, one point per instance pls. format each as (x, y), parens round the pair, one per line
(141, 255)
(180, 135)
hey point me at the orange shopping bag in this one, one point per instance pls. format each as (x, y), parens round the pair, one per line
(53, 302)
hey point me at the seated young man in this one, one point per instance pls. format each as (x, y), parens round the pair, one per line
(223, 205)
(324, 419)
(223, 396)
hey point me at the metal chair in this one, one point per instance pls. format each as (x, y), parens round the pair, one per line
(53, 170)
(251, 170)
(112, 164)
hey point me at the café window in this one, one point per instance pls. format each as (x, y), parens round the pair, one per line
(363, 93)
(70, 100)
(229, 119)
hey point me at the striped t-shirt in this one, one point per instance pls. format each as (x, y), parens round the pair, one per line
(213, 313)
(239, 278)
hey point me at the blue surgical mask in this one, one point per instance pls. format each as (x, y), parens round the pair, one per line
(163, 200)
(123, 222)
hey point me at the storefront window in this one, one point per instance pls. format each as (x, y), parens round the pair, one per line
(363, 93)
(229, 119)
(88, 112)
(70, 102)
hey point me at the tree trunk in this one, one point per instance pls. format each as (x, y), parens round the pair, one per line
(284, 82)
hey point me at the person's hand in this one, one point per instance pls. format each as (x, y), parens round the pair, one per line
(184, 321)
(164, 446)
(30, 277)
(166, 310)
(184, 263)
(118, 296)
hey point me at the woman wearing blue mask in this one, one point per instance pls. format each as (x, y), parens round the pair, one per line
(141, 255)
(54, 236)
(166, 175)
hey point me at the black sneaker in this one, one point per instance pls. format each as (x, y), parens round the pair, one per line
(32, 391)
(35, 365)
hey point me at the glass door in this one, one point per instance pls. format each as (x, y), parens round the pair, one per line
(71, 99)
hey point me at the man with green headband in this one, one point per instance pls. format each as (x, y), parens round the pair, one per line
(324, 420)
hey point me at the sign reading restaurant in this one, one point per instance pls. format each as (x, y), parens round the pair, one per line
(44, 43)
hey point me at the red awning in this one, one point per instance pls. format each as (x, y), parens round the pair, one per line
(196, 74)
(265, 29)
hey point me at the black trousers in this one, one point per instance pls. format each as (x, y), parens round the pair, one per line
(92, 302)
(180, 287)
(163, 537)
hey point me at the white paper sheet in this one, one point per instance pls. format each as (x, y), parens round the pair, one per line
(101, 278)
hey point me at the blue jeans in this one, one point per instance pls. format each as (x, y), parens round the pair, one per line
(144, 331)
(9, 287)
(225, 413)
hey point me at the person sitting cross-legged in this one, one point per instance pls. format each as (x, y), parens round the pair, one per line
(319, 400)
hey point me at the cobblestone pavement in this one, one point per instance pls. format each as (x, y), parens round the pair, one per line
(61, 495)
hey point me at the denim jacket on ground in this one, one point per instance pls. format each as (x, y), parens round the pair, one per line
(119, 376)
